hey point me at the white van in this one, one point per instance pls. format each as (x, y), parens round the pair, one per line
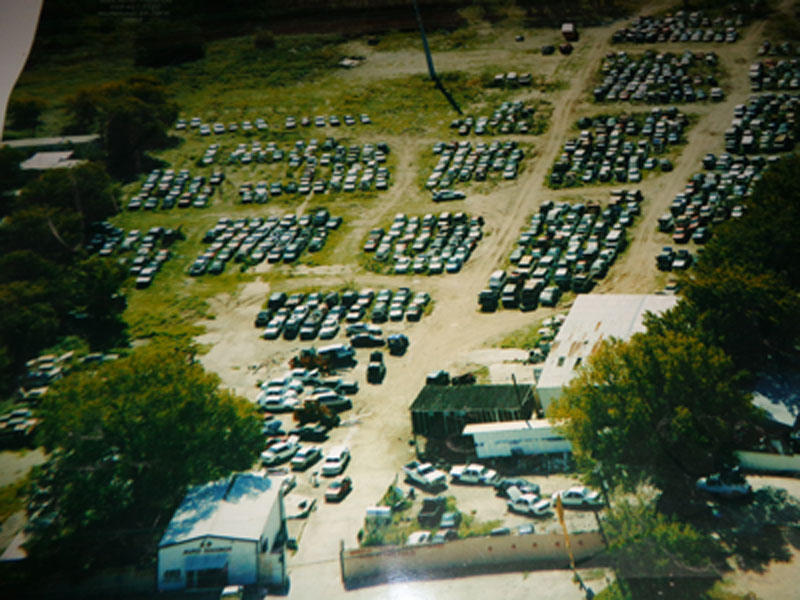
(336, 460)
(379, 515)
(232, 592)
(497, 280)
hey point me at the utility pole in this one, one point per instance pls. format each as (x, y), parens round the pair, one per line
(429, 59)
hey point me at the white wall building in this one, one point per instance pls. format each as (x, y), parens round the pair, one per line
(592, 319)
(231, 531)
(516, 438)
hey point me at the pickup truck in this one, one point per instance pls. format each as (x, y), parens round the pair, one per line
(527, 504)
(431, 512)
(424, 475)
(473, 473)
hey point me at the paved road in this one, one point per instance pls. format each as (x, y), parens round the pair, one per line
(50, 141)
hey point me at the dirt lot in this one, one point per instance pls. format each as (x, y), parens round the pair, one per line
(378, 428)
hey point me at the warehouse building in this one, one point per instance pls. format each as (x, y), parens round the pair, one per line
(230, 531)
(592, 319)
(440, 411)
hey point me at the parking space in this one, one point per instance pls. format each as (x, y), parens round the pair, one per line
(681, 27)
(659, 78)
(425, 244)
(619, 148)
(251, 241)
(461, 162)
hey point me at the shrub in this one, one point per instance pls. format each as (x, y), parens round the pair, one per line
(264, 40)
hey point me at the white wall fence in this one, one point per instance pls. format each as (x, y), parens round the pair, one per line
(769, 463)
(371, 565)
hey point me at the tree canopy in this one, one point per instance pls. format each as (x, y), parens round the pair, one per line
(744, 293)
(132, 116)
(660, 408)
(25, 113)
(657, 556)
(46, 277)
(126, 439)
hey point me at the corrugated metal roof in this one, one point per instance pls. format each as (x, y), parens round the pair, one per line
(236, 507)
(593, 318)
(473, 428)
(470, 397)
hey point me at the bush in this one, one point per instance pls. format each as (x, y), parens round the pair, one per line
(264, 40)
(160, 46)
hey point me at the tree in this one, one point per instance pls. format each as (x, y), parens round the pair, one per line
(743, 293)
(48, 286)
(10, 176)
(125, 441)
(26, 113)
(264, 40)
(132, 116)
(160, 44)
(657, 556)
(86, 190)
(660, 408)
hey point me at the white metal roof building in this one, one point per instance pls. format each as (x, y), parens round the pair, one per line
(230, 531)
(55, 159)
(592, 319)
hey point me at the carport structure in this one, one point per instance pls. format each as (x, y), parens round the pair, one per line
(441, 411)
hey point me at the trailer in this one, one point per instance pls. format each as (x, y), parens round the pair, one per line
(570, 32)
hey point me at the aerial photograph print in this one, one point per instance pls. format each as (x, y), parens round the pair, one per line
(400, 299)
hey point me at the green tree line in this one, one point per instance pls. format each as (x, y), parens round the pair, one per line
(49, 285)
(673, 403)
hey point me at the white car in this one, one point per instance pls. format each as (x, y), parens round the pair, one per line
(280, 452)
(336, 461)
(725, 485)
(578, 497)
(305, 457)
(418, 537)
(529, 504)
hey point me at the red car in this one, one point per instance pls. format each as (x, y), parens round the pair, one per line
(338, 489)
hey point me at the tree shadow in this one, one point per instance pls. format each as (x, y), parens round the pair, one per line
(759, 531)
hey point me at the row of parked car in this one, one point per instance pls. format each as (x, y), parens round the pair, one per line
(17, 427)
(683, 26)
(507, 118)
(327, 167)
(462, 161)
(767, 123)
(617, 149)
(145, 252)
(260, 124)
(431, 244)
(318, 315)
(521, 496)
(288, 392)
(771, 74)
(661, 77)
(512, 79)
(254, 240)
(166, 189)
(710, 198)
(564, 247)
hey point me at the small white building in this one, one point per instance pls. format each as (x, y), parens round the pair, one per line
(516, 438)
(231, 531)
(54, 159)
(592, 319)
